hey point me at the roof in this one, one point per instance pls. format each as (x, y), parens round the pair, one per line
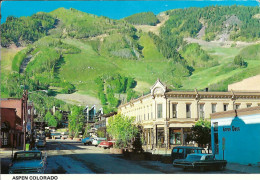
(238, 112)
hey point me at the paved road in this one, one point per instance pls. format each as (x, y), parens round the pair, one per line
(70, 157)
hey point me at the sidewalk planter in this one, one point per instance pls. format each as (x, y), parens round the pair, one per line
(116, 151)
(69, 138)
(77, 139)
(166, 159)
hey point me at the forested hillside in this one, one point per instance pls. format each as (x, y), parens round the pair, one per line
(145, 18)
(67, 51)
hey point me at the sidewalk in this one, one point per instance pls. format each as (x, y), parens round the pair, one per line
(243, 168)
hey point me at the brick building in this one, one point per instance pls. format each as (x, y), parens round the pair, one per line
(23, 116)
(11, 128)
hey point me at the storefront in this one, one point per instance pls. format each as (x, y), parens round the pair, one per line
(5, 128)
(236, 135)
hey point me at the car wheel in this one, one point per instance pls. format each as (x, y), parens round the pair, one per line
(89, 143)
(95, 145)
(85, 144)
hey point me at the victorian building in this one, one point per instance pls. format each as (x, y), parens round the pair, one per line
(167, 116)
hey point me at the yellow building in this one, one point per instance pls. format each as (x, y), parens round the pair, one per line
(167, 116)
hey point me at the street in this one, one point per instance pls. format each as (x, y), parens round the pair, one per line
(71, 157)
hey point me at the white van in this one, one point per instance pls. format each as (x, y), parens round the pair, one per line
(98, 140)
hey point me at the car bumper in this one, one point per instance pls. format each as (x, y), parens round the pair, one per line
(183, 165)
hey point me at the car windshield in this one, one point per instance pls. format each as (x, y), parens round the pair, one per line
(193, 157)
(27, 156)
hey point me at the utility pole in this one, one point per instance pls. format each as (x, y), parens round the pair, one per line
(25, 98)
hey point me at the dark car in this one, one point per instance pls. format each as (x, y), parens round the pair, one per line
(201, 162)
(181, 152)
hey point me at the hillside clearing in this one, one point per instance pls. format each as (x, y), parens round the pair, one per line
(79, 99)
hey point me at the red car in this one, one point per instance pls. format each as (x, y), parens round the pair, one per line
(106, 144)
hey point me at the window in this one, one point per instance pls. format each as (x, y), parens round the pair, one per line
(174, 110)
(144, 116)
(148, 116)
(175, 136)
(225, 107)
(214, 107)
(202, 111)
(237, 106)
(159, 110)
(248, 105)
(188, 112)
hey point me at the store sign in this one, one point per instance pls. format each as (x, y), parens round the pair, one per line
(232, 128)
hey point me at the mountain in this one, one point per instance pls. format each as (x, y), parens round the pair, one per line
(67, 51)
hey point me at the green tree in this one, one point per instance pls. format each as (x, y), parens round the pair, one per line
(101, 133)
(76, 121)
(200, 133)
(47, 116)
(239, 61)
(122, 129)
(52, 122)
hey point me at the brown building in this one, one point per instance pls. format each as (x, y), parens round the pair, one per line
(23, 115)
(11, 128)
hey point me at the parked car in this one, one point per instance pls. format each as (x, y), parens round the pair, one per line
(87, 140)
(64, 135)
(28, 162)
(181, 152)
(200, 161)
(41, 143)
(56, 135)
(97, 141)
(106, 144)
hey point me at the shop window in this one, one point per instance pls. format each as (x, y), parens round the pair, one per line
(202, 111)
(214, 107)
(175, 136)
(159, 110)
(188, 111)
(225, 107)
(174, 110)
(160, 137)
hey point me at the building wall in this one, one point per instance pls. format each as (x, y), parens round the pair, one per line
(145, 109)
(9, 116)
(241, 138)
(13, 103)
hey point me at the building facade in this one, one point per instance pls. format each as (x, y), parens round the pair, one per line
(236, 135)
(167, 116)
(11, 128)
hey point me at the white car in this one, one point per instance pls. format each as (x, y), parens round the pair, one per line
(97, 140)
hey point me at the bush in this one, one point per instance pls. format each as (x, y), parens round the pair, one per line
(239, 61)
